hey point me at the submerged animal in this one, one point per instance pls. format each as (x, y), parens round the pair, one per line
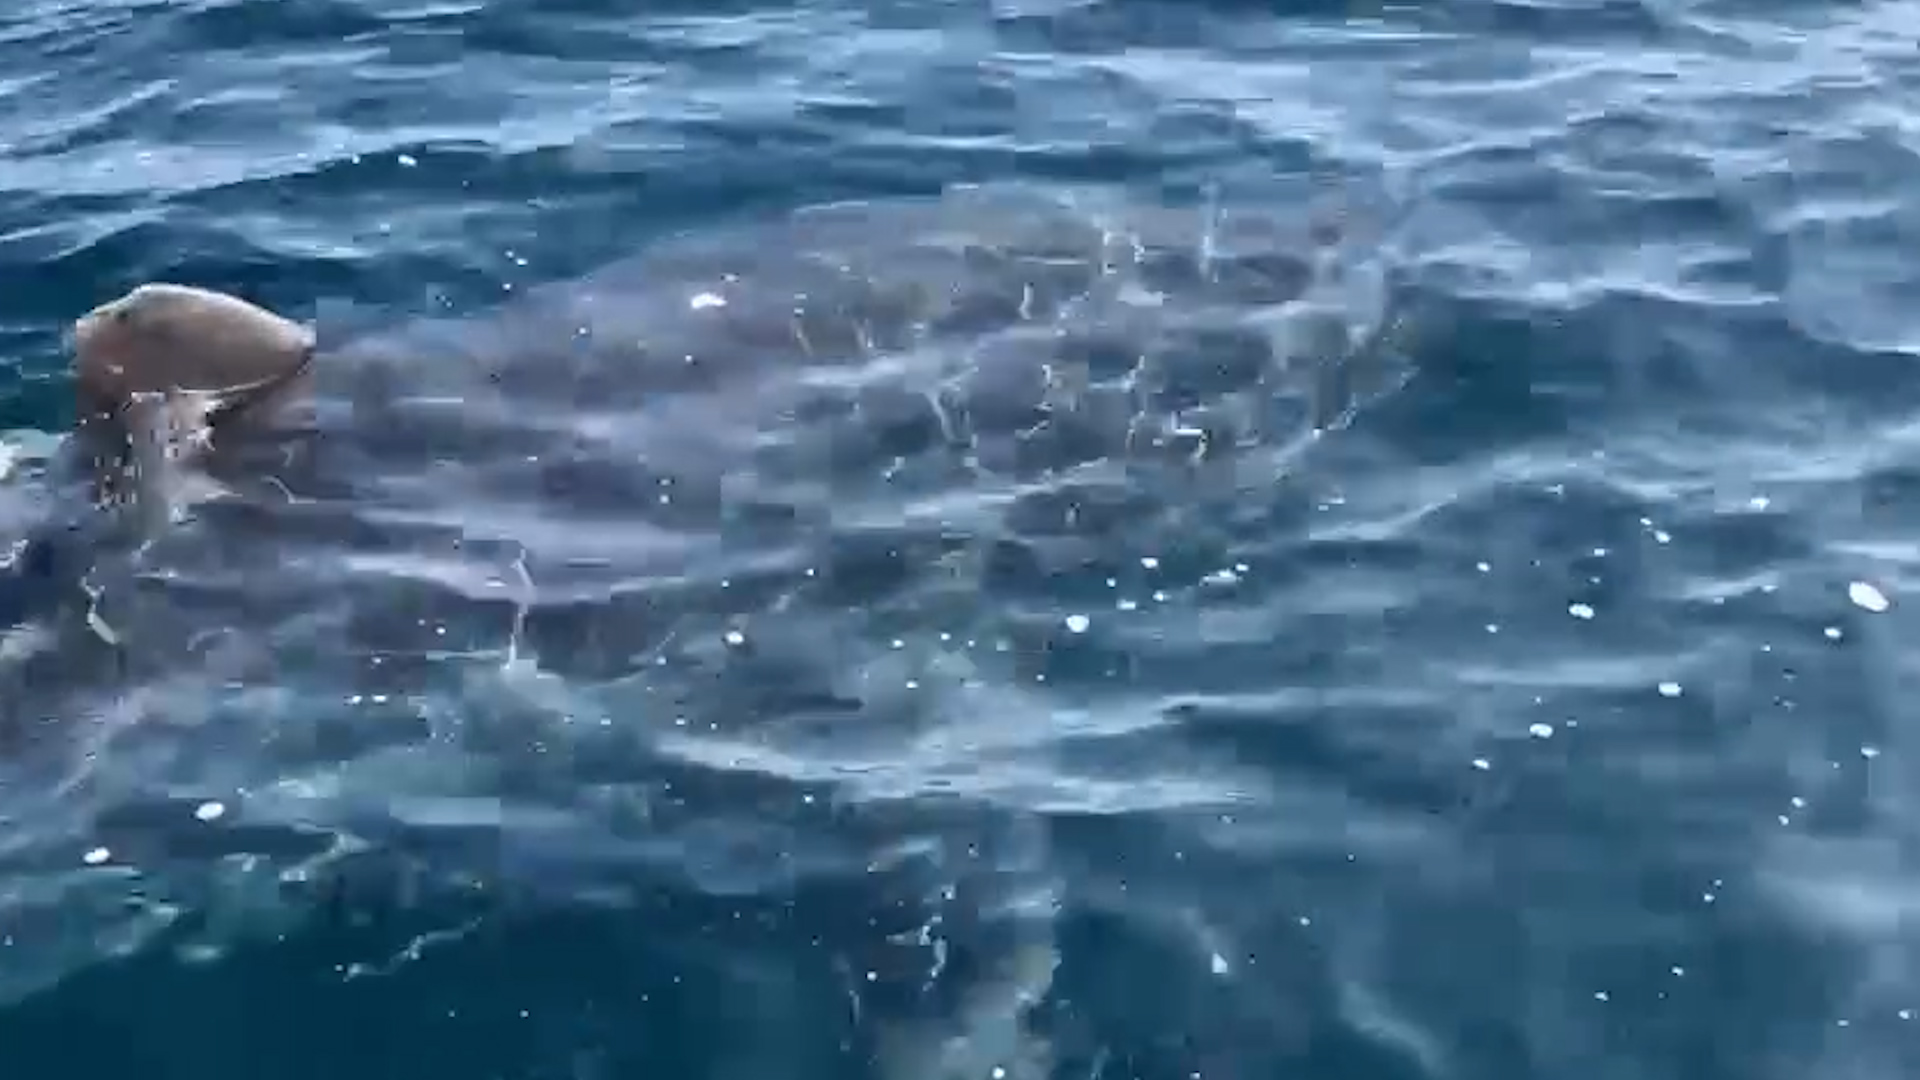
(756, 478)
(741, 400)
(734, 406)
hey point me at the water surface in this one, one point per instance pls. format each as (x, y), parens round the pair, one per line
(1537, 718)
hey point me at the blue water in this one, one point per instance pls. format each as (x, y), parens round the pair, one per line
(1538, 718)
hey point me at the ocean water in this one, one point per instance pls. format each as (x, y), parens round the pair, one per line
(1121, 540)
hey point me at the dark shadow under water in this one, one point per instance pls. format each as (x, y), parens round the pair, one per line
(656, 593)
